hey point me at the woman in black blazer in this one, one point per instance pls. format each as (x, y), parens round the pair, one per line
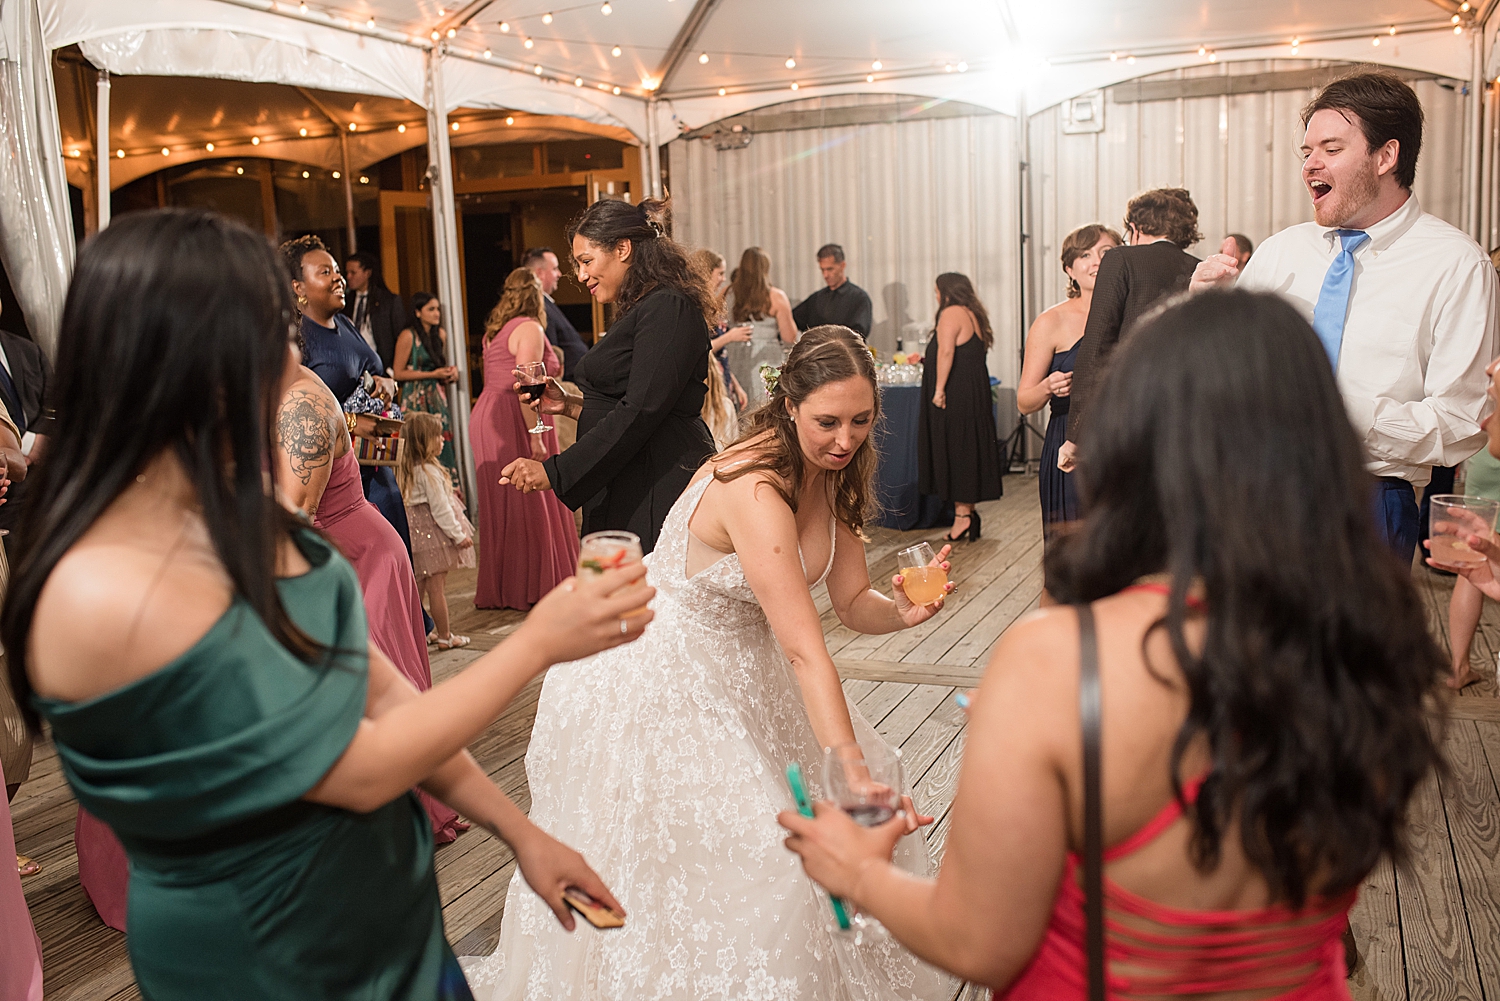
(640, 436)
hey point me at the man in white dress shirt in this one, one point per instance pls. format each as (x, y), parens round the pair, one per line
(1403, 302)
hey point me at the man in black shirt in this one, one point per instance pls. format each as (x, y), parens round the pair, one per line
(376, 312)
(559, 330)
(842, 302)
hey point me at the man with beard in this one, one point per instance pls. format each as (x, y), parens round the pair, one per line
(1403, 302)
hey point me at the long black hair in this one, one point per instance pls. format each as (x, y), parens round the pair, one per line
(174, 339)
(431, 337)
(955, 289)
(656, 260)
(1228, 459)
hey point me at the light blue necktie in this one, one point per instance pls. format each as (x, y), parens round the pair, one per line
(1333, 299)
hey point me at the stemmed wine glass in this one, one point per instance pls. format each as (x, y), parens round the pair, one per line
(866, 784)
(533, 378)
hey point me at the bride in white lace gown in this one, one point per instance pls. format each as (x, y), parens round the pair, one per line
(664, 761)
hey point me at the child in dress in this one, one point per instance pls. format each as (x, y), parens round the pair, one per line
(441, 537)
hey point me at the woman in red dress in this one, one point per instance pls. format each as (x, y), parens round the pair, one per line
(527, 542)
(1255, 667)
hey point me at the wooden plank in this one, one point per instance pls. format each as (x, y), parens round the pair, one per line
(1375, 919)
(1470, 803)
(1477, 709)
(974, 648)
(1440, 964)
(886, 696)
(921, 674)
(913, 710)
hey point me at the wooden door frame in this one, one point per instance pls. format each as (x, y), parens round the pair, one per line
(389, 249)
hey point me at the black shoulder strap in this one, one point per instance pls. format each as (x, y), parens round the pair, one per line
(1093, 807)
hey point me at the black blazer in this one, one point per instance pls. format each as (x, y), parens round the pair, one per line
(1130, 281)
(564, 336)
(640, 436)
(32, 373)
(387, 319)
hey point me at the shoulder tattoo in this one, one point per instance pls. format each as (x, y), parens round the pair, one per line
(304, 430)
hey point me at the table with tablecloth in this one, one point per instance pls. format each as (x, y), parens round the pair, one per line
(901, 506)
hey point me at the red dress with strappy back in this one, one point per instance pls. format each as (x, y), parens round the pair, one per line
(1170, 951)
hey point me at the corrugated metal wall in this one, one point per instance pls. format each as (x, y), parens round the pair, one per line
(907, 200)
(1237, 154)
(911, 199)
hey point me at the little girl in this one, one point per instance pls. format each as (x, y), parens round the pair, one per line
(441, 537)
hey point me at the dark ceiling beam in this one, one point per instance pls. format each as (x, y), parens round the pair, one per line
(461, 17)
(687, 35)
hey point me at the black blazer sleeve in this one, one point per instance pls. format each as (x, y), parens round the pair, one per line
(1101, 335)
(802, 313)
(565, 337)
(392, 321)
(670, 353)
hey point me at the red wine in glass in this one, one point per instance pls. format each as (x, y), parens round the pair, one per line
(533, 380)
(870, 814)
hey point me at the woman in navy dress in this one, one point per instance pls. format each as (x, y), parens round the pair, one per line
(1047, 372)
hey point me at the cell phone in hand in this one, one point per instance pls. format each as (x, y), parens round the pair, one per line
(591, 910)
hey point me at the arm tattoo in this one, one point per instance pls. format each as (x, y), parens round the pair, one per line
(305, 433)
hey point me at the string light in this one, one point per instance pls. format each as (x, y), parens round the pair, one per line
(302, 7)
(1130, 60)
(702, 58)
(239, 170)
(648, 83)
(454, 126)
(1464, 6)
(370, 24)
(209, 147)
(1454, 19)
(964, 67)
(435, 35)
(791, 63)
(877, 66)
(401, 128)
(870, 78)
(1391, 30)
(504, 26)
(337, 175)
(615, 91)
(615, 51)
(578, 81)
(488, 53)
(537, 69)
(722, 92)
(1114, 57)
(1202, 50)
(302, 133)
(547, 18)
(948, 68)
(510, 120)
(364, 180)
(165, 151)
(1458, 29)
(255, 140)
(1213, 57)
(120, 153)
(452, 32)
(604, 86)
(606, 10)
(794, 85)
(529, 44)
(1375, 41)
(305, 175)
(353, 127)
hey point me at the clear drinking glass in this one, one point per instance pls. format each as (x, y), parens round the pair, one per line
(1453, 516)
(601, 551)
(866, 784)
(923, 579)
(533, 379)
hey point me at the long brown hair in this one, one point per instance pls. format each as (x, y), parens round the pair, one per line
(656, 260)
(751, 286)
(955, 289)
(705, 262)
(822, 355)
(423, 433)
(521, 296)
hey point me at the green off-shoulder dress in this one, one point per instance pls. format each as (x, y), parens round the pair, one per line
(239, 888)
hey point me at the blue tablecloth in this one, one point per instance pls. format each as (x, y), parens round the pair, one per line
(901, 507)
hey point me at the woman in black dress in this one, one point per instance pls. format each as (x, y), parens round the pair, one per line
(640, 436)
(958, 453)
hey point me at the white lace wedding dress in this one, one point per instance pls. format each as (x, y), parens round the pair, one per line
(663, 762)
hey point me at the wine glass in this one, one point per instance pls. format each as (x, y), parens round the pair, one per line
(922, 578)
(533, 379)
(866, 784)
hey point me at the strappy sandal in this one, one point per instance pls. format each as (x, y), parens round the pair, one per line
(453, 642)
(27, 866)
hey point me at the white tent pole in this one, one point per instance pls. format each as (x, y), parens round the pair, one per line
(101, 148)
(1476, 141)
(653, 149)
(348, 191)
(449, 267)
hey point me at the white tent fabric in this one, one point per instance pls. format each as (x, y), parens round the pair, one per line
(36, 231)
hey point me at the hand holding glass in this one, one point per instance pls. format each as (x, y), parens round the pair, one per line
(601, 551)
(922, 577)
(1454, 517)
(866, 784)
(533, 378)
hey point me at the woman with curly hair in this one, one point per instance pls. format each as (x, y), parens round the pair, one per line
(527, 541)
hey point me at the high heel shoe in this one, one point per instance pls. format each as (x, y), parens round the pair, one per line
(971, 533)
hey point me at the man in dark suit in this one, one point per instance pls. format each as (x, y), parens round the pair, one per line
(559, 330)
(25, 377)
(377, 313)
(1159, 225)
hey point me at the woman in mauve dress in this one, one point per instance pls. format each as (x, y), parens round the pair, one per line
(527, 542)
(318, 474)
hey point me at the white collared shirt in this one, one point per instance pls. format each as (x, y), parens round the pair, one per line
(1420, 330)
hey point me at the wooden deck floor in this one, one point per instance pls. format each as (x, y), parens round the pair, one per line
(1428, 931)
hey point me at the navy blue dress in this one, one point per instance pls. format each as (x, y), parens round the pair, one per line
(1059, 496)
(340, 357)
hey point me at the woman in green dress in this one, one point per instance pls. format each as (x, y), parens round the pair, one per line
(204, 662)
(422, 370)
